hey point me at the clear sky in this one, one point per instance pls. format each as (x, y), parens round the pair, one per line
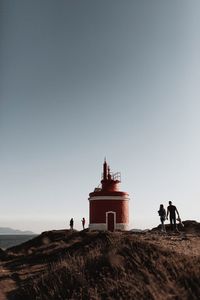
(80, 80)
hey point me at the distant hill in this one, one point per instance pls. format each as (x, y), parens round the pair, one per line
(7, 230)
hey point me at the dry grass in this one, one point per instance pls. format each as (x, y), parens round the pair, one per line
(103, 265)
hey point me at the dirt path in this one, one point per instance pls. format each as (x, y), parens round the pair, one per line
(183, 244)
(9, 278)
(7, 284)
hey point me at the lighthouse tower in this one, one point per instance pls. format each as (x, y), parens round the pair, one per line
(108, 205)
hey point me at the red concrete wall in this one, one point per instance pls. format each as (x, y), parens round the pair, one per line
(98, 209)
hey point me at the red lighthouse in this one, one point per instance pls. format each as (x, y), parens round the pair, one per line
(108, 205)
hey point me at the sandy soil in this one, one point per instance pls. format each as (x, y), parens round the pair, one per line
(184, 244)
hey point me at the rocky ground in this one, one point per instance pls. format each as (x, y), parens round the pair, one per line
(66, 264)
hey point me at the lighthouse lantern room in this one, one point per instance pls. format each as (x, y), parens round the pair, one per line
(108, 205)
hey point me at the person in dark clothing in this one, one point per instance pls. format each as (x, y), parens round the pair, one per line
(83, 223)
(162, 214)
(172, 211)
(71, 223)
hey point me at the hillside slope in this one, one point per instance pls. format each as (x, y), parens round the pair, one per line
(103, 265)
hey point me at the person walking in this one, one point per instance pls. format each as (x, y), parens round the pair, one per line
(83, 223)
(172, 211)
(71, 223)
(162, 214)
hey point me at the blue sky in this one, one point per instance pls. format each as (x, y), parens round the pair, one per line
(81, 80)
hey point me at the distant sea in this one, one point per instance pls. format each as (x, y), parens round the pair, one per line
(7, 241)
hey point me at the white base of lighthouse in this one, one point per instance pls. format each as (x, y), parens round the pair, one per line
(104, 226)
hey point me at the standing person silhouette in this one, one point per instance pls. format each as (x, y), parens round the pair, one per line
(172, 211)
(83, 223)
(71, 223)
(162, 214)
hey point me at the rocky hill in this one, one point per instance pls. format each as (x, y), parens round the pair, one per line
(189, 226)
(66, 264)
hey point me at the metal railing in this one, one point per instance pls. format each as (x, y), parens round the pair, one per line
(114, 176)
